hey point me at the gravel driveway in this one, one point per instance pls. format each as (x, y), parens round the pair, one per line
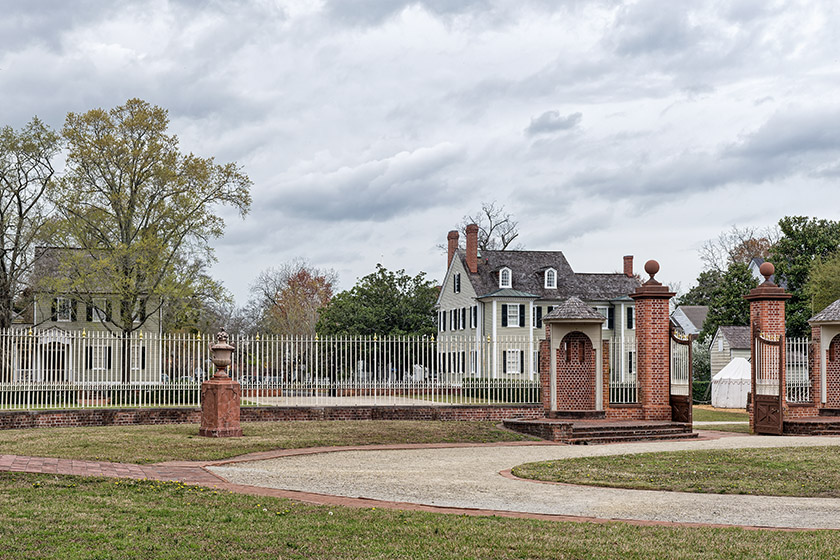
(470, 477)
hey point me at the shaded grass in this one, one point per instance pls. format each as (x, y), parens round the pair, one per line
(800, 471)
(153, 444)
(709, 414)
(73, 518)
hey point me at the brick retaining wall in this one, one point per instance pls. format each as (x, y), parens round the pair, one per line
(15, 419)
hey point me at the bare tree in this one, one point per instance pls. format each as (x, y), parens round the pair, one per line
(497, 229)
(288, 298)
(738, 245)
(26, 174)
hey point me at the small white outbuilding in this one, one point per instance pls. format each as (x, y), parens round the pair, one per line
(731, 385)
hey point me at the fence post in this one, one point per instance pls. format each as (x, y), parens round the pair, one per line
(220, 395)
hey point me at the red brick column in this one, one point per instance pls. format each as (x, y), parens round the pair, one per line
(653, 346)
(767, 316)
(545, 373)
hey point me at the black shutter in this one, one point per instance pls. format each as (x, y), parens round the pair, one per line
(611, 318)
(73, 310)
(89, 313)
(88, 357)
(143, 357)
(521, 361)
(463, 317)
(521, 314)
(475, 316)
(108, 357)
(504, 315)
(504, 361)
(108, 310)
(630, 317)
(54, 312)
(539, 316)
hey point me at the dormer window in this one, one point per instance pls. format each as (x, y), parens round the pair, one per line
(504, 278)
(551, 278)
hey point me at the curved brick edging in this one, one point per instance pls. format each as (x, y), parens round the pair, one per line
(18, 419)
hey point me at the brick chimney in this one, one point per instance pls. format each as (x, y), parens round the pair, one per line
(472, 248)
(452, 238)
(628, 265)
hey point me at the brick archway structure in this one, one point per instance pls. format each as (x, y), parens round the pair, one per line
(576, 373)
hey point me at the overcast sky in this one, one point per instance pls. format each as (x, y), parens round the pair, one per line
(371, 127)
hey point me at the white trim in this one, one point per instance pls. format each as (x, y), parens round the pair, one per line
(494, 372)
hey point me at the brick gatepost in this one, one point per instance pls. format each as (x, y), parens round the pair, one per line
(767, 316)
(653, 345)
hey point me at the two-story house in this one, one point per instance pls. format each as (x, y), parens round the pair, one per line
(491, 306)
(72, 338)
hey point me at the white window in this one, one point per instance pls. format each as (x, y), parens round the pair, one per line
(535, 363)
(605, 311)
(551, 278)
(63, 309)
(101, 310)
(504, 278)
(513, 315)
(473, 361)
(513, 361)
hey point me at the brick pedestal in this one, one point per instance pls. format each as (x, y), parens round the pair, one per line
(653, 345)
(220, 407)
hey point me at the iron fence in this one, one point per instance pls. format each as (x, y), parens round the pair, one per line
(624, 386)
(797, 377)
(54, 368)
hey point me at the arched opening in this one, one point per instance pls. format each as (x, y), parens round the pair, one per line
(832, 374)
(576, 380)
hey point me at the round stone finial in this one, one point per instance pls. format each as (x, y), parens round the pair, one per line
(651, 267)
(767, 270)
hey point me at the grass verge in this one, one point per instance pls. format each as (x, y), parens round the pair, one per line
(81, 518)
(154, 444)
(800, 471)
(738, 428)
(709, 414)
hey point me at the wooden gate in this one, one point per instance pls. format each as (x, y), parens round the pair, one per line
(767, 382)
(681, 378)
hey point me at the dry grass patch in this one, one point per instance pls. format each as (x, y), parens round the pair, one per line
(800, 471)
(153, 444)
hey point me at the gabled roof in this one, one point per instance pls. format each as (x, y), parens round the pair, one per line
(827, 315)
(528, 275)
(696, 314)
(738, 337)
(573, 309)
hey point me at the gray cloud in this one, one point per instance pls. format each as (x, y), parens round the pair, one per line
(551, 121)
(376, 190)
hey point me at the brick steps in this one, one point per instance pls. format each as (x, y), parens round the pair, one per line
(595, 432)
(819, 426)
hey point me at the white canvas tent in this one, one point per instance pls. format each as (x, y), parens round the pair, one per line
(731, 385)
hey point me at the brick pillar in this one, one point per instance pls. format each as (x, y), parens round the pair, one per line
(767, 316)
(220, 395)
(545, 372)
(653, 345)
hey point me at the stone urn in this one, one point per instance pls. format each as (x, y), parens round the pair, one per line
(220, 395)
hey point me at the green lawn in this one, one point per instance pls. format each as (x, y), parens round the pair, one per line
(73, 518)
(707, 414)
(738, 428)
(801, 471)
(153, 444)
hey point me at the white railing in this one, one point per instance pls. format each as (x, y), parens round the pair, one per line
(72, 369)
(624, 387)
(797, 378)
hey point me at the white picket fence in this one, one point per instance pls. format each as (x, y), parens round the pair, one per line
(77, 369)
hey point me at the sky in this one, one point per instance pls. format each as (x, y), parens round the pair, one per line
(370, 128)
